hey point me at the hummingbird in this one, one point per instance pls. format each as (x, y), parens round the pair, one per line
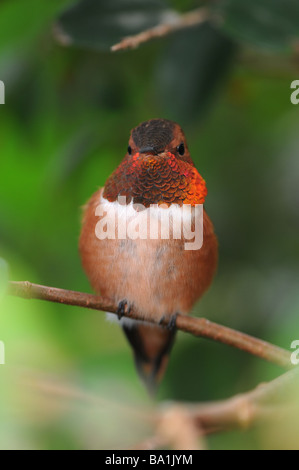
(157, 275)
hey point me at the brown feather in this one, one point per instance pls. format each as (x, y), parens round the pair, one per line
(160, 277)
(151, 345)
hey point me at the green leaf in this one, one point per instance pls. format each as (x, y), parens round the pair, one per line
(194, 66)
(270, 24)
(3, 277)
(98, 24)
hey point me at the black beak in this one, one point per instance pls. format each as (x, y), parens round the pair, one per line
(149, 149)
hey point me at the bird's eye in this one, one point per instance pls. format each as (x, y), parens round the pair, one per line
(130, 150)
(181, 149)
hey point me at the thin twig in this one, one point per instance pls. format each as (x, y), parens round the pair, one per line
(177, 427)
(273, 400)
(55, 387)
(186, 20)
(243, 410)
(196, 326)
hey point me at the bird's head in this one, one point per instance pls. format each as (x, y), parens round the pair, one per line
(159, 138)
(157, 168)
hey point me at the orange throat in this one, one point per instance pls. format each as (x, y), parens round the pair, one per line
(156, 179)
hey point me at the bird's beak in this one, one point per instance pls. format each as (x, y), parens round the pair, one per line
(149, 150)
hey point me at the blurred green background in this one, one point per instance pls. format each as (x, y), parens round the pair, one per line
(69, 380)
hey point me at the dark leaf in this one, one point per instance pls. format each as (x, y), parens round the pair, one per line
(98, 24)
(271, 24)
(193, 67)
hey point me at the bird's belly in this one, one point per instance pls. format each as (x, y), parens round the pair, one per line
(159, 276)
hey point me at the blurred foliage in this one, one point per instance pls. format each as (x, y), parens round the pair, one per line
(3, 277)
(63, 130)
(99, 24)
(271, 24)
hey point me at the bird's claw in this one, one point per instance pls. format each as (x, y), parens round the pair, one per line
(123, 309)
(171, 325)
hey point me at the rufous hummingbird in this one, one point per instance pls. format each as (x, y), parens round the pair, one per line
(157, 275)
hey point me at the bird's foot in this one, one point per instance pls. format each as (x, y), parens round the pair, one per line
(123, 308)
(171, 325)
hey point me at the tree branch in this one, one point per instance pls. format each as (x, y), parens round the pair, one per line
(186, 20)
(183, 425)
(241, 411)
(196, 326)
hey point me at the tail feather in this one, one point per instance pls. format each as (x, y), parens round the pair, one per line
(151, 345)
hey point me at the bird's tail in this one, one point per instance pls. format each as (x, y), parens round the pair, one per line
(151, 345)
